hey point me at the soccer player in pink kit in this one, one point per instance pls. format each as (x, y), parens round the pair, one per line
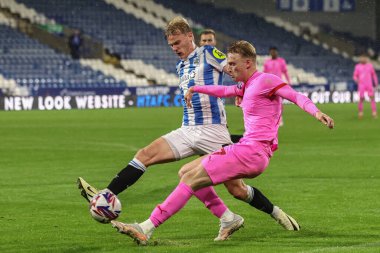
(365, 77)
(276, 66)
(262, 104)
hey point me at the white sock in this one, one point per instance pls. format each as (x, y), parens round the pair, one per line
(147, 226)
(137, 164)
(275, 212)
(227, 216)
(250, 193)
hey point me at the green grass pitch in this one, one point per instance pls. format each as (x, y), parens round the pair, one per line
(329, 180)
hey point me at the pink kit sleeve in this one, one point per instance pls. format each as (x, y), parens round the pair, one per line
(303, 102)
(219, 90)
(374, 76)
(285, 71)
(265, 69)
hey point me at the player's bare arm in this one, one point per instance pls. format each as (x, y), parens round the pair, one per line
(325, 119)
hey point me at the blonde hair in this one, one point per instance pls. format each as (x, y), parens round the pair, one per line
(244, 48)
(178, 25)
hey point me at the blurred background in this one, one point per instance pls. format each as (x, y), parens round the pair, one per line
(54, 48)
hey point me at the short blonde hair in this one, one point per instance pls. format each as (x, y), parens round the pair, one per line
(178, 25)
(244, 48)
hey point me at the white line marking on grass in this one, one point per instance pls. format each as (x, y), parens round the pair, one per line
(329, 249)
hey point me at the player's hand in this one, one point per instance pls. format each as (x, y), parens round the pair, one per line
(188, 97)
(238, 101)
(325, 119)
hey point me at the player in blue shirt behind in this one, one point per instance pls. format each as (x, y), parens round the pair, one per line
(203, 130)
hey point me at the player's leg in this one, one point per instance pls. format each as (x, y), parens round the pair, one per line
(211, 200)
(373, 107)
(373, 102)
(237, 187)
(361, 100)
(172, 146)
(281, 118)
(195, 178)
(207, 195)
(159, 151)
(235, 138)
(257, 199)
(172, 204)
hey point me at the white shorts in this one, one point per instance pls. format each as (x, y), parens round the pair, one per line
(197, 140)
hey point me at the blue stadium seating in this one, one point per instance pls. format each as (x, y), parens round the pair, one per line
(33, 64)
(364, 42)
(132, 38)
(255, 29)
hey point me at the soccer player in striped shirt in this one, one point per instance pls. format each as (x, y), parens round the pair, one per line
(262, 105)
(366, 78)
(208, 37)
(203, 131)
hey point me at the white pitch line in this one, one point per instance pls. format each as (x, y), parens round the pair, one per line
(328, 249)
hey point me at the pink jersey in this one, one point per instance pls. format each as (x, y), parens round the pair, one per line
(262, 103)
(276, 67)
(365, 75)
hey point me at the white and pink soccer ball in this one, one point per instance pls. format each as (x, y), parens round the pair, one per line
(105, 206)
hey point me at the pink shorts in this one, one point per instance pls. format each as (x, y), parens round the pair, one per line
(366, 88)
(240, 160)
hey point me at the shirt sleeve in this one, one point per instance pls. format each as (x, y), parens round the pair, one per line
(220, 90)
(285, 71)
(265, 68)
(374, 76)
(215, 58)
(285, 91)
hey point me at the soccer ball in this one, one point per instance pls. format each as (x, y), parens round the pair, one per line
(105, 206)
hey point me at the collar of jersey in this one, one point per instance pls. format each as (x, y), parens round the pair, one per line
(191, 55)
(253, 77)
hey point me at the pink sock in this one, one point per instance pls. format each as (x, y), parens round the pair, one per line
(211, 200)
(172, 204)
(360, 106)
(373, 106)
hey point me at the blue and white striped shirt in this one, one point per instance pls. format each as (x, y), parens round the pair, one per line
(204, 66)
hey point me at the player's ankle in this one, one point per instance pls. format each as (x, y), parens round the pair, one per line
(227, 216)
(276, 212)
(147, 227)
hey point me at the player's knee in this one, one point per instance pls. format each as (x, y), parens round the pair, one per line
(144, 156)
(237, 192)
(188, 176)
(182, 172)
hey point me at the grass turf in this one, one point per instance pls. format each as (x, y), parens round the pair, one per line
(328, 180)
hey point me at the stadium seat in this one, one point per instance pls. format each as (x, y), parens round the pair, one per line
(33, 65)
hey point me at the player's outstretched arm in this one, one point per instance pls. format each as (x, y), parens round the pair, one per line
(374, 77)
(305, 104)
(325, 119)
(213, 90)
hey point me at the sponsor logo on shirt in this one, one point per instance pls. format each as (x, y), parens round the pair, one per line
(218, 55)
(186, 77)
(240, 85)
(196, 61)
